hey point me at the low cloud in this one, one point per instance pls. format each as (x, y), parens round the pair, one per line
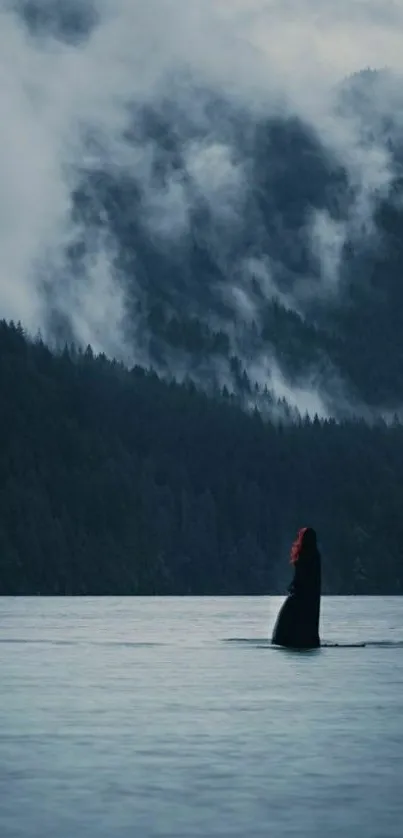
(76, 80)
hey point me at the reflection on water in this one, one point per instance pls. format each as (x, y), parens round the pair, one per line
(138, 717)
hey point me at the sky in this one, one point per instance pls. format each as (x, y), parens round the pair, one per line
(67, 94)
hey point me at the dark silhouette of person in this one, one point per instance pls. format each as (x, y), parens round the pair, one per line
(297, 624)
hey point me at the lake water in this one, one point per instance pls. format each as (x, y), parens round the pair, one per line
(137, 717)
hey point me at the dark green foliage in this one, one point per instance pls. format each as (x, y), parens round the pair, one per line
(115, 482)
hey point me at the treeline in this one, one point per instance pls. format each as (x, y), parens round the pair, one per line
(115, 482)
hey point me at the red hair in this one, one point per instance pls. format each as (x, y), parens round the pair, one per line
(297, 546)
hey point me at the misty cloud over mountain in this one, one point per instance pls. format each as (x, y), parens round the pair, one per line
(214, 188)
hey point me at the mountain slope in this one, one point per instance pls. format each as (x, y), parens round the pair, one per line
(190, 203)
(255, 250)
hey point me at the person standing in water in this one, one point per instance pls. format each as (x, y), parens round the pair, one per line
(297, 624)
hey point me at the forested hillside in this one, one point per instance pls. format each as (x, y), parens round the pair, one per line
(251, 247)
(243, 230)
(198, 192)
(115, 482)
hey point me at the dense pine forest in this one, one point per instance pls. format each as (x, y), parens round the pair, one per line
(113, 481)
(232, 234)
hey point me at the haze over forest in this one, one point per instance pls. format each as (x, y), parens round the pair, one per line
(213, 190)
(190, 184)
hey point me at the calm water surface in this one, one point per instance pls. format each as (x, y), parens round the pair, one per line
(137, 717)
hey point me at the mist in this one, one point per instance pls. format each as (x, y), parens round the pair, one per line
(80, 85)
